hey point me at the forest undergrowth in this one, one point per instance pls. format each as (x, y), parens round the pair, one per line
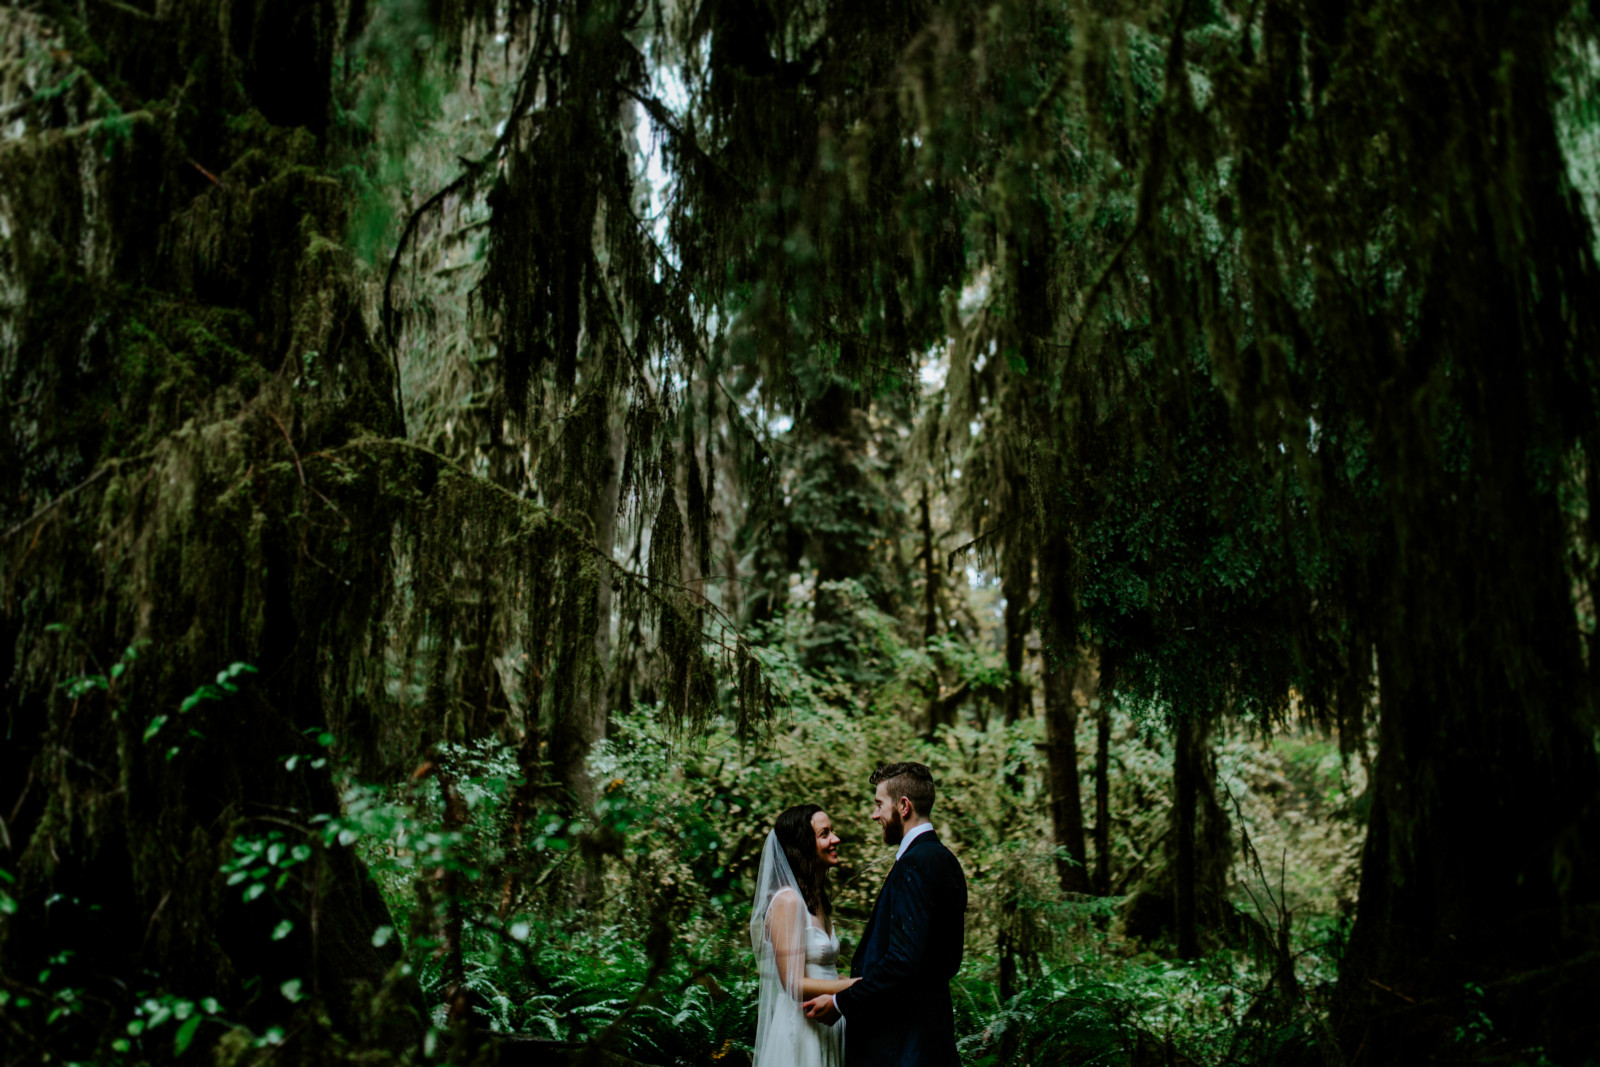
(683, 821)
(654, 963)
(521, 927)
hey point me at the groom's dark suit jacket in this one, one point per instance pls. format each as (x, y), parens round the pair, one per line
(899, 1014)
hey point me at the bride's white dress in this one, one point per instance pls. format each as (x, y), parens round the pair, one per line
(794, 1040)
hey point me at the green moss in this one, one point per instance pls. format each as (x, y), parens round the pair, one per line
(171, 360)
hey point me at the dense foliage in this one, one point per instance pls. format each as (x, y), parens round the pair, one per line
(467, 466)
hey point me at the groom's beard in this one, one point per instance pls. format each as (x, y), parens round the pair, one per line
(894, 830)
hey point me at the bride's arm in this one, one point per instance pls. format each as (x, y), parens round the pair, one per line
(782, 925)
(815, 987)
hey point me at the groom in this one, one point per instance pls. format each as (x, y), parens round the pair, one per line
(900, 1012)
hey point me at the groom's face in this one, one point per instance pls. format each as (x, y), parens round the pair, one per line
(886, 813)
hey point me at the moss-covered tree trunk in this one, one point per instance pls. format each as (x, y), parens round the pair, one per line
(1102, 799)
(1479, 864)
(1066, 801)
(1185, 896)
(1017, 588)
(842, 510)
(180, 336)
(580, 715)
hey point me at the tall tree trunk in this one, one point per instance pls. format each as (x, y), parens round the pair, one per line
(844, 524)
(930, 612)
(1185, 773)
(1486, 706)
(580, 719)
(1066, 802)
(1468, 754)
(1102, 799)
(930, 567)
(452, 968)
(1185, 896)
(1017, 587)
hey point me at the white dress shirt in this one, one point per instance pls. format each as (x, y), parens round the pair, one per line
(911, 835)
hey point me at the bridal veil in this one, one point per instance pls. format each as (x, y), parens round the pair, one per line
(778, 921)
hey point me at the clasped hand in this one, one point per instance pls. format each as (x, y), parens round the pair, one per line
(822, 1009)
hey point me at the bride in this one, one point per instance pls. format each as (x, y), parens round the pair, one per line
(791, 930)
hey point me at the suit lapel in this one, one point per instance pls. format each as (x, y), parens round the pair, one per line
(866, 933)
(877, 906)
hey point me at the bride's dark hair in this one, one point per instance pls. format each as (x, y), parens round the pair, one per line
(799, 840)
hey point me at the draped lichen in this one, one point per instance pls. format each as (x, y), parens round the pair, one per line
(1277, 365)
(202, 460)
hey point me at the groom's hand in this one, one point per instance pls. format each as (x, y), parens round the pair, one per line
(822, 1009)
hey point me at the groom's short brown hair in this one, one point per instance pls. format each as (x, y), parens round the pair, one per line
(910, 780)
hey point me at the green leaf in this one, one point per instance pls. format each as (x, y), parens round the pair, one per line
(210, 1005)
(185, 1034)
(290, 990)
(381, 936)
(57, 628)
(289, 763)
(254, 891)
(154, 728)
(236, 669)
(117, 669)
(281, 931)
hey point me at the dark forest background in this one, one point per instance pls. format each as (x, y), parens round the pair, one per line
(468, 465)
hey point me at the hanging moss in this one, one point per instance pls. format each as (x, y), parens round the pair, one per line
(203, 462)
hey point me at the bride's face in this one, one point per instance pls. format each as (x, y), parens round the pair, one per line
(827, 840)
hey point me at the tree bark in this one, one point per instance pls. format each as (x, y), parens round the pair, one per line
(452, 971)
(1066, 802)
(934, 715)
(1185, 772)
(1102, 799)
(1467, 754)
(930, 568)
(1017, 587)
(1185, 897)
(580, 719)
